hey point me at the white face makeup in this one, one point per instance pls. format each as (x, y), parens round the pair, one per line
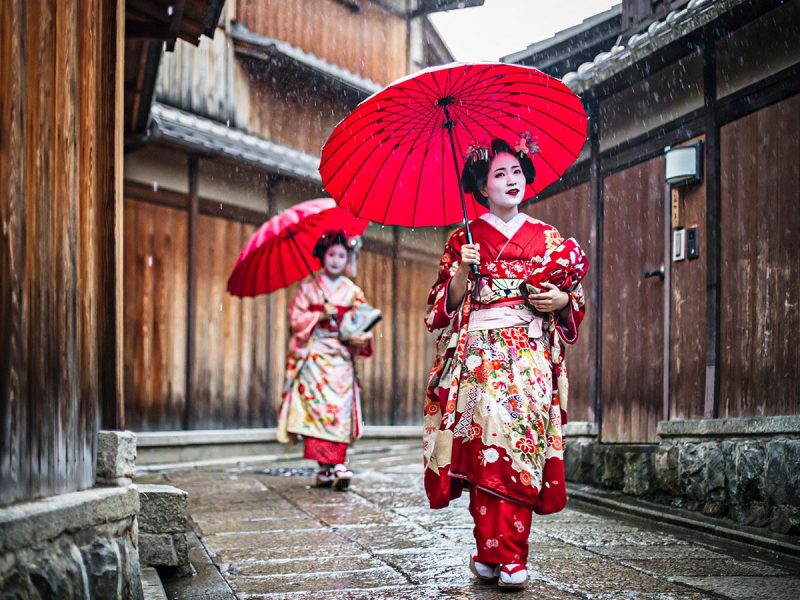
(335, 260)
(505, 184)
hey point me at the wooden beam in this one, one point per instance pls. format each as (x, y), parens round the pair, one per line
(110, 76)
(191, 285)
(596, 199)
(713, 231)
(175, 22)
(770, 90)
(667, 287)
(148, 31)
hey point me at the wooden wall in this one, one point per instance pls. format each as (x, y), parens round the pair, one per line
(633, 307)
(571, 213)
(370, 42)
(240, 344)
(760, 324)
(230, 372)
(687, 319)
(58, 158)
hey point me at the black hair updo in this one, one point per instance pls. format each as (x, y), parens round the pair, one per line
(476, 169)
(328, 239)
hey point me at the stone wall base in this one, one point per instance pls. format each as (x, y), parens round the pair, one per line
(745, 470)
(73, 546)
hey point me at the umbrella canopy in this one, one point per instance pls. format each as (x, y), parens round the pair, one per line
(392, 159)
(280, 252)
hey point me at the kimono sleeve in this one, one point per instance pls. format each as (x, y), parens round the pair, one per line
(567, 324)
(358, 300)
(302, 319)
(437, 316)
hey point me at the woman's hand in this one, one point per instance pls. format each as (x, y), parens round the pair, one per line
(470, 255)
(330, 310)
(359, 340)
(553, 300)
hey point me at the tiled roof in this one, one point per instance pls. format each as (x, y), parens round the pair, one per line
(270, 45)
(659, 34)
(201, 134)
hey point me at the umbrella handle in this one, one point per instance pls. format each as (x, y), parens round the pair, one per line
(449, 124)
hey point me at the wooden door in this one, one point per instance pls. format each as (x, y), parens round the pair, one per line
(632, 362)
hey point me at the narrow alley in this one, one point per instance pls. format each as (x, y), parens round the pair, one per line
(272, 535)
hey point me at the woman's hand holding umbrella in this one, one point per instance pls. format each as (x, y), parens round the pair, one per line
(470, 255)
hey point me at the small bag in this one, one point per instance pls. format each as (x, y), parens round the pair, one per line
(358, 320)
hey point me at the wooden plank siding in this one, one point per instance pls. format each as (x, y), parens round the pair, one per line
(633, 309)
(687, 323)
(57, 200)
(370, 42)
(154, 315)
(231, 377)
(570, 212)
(240, 344)
(376, 373)
(760, 321)
(414, 348)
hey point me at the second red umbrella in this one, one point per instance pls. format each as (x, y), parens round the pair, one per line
(280, 252)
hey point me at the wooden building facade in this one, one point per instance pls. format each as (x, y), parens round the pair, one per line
(63, 112)
(235, 134)
(712, 336)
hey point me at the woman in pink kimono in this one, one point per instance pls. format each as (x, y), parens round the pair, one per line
(321, 400)
(496, 396)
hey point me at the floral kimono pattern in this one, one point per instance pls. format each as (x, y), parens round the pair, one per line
(321, 397)
(497, 396)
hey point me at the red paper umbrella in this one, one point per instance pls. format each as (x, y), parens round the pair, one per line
(280, 253)
(396, 158)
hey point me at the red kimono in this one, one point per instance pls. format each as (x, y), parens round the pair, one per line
(497, 393)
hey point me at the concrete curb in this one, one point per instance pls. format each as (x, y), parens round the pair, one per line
(255, 459)
(682, 518)
(208, 437)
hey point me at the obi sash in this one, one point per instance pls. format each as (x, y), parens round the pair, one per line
(510, 313)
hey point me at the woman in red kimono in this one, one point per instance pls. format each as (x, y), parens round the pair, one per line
(498, 388)
(321, 398)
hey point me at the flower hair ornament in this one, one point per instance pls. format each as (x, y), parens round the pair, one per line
(526, 145)
(478, 151)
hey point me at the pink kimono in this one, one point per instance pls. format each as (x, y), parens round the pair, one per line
(321, 400)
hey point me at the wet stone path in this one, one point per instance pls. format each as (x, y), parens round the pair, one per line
(272, 535)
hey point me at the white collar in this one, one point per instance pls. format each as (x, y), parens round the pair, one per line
(507, 229)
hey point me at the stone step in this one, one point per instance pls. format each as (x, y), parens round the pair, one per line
(151, 585)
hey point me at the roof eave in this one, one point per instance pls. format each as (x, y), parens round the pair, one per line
(261, 47)
(209, 137)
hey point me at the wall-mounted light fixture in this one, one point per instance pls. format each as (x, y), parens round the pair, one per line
(684, 164)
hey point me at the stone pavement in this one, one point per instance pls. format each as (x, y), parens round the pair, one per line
(272, 535)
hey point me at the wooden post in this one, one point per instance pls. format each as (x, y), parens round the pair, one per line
(669, 195)
(596, 234)
(110, 124)
(713, 233)
(191, 284)
(268, 401)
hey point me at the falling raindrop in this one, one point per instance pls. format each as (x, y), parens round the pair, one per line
(169, 10)
(220, 307)
(155, 186)
(228, 123)
(150, 261)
